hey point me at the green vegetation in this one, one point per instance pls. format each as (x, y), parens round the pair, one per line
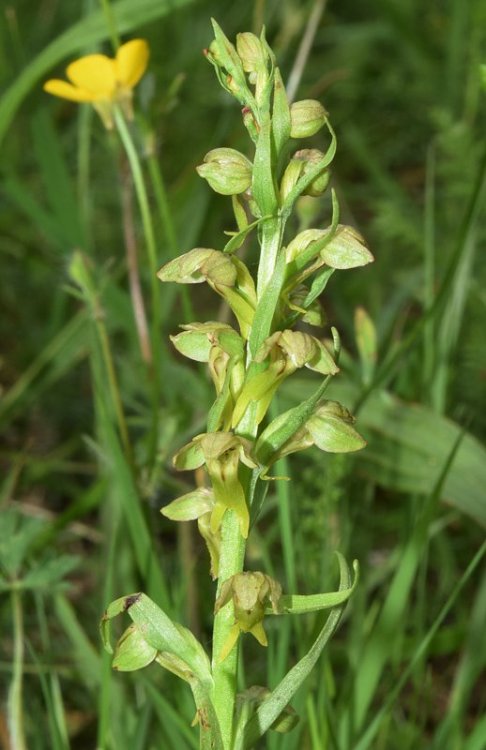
(93, 406)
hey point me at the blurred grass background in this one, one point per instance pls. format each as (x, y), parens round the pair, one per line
(80, 525)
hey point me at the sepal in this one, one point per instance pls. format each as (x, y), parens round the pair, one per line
(196, 339)
(198, 505)
(190, 506)
(347, 249)
(199, 265)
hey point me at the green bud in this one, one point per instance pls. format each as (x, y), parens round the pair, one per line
(251, 52)
(311, 157)
(227, 171)
(290, 177)
(250, 123)
(307, 117)
(312, 314)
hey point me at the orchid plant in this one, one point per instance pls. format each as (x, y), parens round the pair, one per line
(269, 340)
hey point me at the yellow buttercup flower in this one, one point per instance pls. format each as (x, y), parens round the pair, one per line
(104, 81)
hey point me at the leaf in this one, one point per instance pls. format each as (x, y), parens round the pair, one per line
(297, 604)
(281, 696)
(281, 115)
(238, 239)
(263, 187)
(177, 650)
(159, 632)
(86, 33)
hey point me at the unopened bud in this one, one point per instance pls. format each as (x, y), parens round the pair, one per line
(307, 117)
(250, 123)
(251, 52)
(290, 177)
(311, 157)
(227, 171)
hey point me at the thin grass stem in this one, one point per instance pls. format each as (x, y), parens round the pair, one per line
(114, 386)
(15, 708)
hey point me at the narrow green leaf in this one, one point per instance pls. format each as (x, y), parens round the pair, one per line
(281, 115)
(296, 604)
(281, 696)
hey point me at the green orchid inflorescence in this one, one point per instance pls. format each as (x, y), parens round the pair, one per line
(248, 361)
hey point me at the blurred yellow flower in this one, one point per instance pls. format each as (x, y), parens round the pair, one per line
(104, 81)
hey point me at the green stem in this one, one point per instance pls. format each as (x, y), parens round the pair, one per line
(15, 711)
(148, 229)
(272, 232)
(232, 551)
(231, 561)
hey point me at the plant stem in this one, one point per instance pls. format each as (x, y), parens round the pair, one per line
(233, 545)
(132, 266)
(225, 673)
(15, 711)
(148, 229)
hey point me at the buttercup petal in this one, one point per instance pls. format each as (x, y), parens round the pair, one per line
(131, 62)
(67, 91)
(96, 74)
